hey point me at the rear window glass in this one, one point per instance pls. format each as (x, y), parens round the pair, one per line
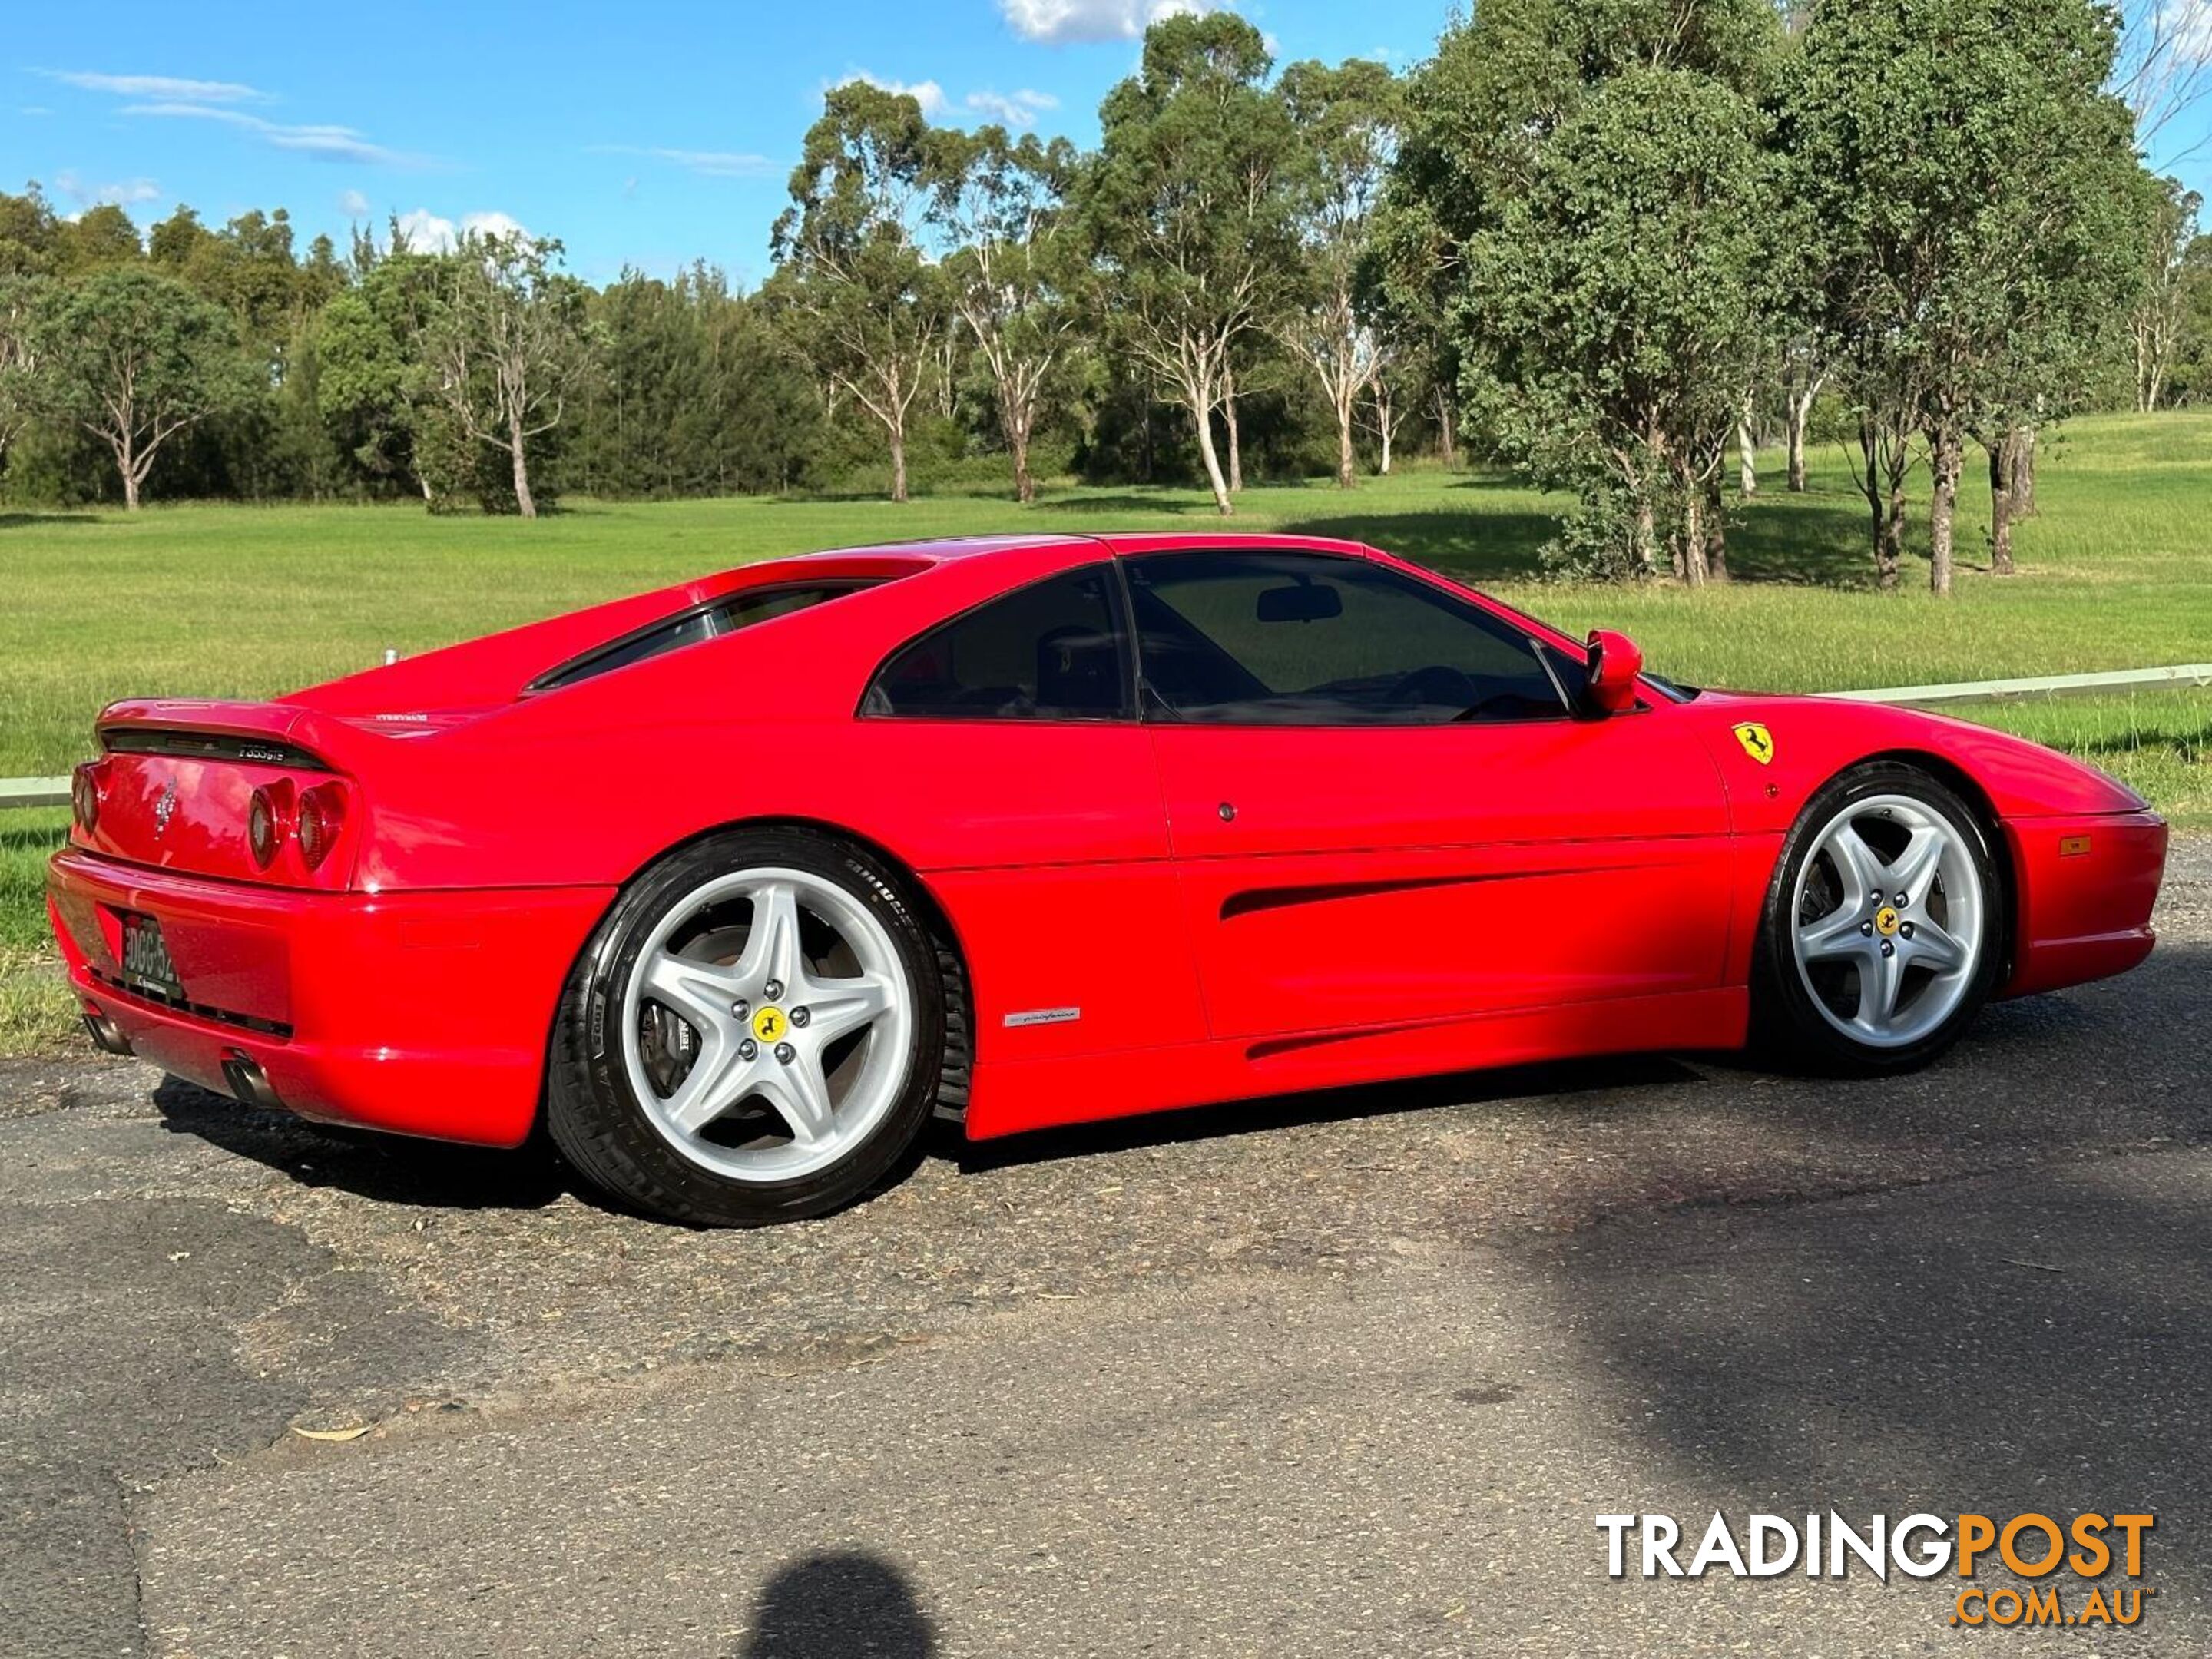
(707, 621)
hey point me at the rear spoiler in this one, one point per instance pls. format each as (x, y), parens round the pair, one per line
(271, 733)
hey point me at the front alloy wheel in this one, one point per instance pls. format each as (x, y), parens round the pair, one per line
(1883, 922)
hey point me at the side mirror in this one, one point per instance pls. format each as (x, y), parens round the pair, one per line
(1614, 664)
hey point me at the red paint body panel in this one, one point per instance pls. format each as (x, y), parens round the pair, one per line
(426, 1013)
(1381, 902)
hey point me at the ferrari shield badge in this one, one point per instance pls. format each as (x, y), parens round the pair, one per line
(1757, 741)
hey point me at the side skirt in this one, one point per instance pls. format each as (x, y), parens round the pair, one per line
(1010, 1097)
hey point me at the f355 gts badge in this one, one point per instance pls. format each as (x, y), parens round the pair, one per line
(1758, 741)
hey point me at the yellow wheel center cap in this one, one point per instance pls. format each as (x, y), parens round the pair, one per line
(769, 1024)
(1885, 922)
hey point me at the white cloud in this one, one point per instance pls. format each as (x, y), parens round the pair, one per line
(133, 193)
(492, 224)
(167, 89)
(927, 93)
(320, 143)
(707, 163)
(353, 204)
(1064, 23)
(428, 233)
(1012, 109)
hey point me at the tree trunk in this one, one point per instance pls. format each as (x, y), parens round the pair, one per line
(1691, 560)
(1229, 419)
(1887, 514)
(1646, 534)
(2003, 461)
(2023, 472)
(130, 490)
(1716, 530)
(1447, 448)
(1746, 455)
(1801, 412)
(897, 431)
(1388, 427)
(523, 503)
(1946, 459)
(1203, 417)
(1346, 477)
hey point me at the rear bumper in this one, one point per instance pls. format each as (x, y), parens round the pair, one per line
(2086, 888)
(423, 1013)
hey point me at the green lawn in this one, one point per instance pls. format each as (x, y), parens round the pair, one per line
(2116, 573)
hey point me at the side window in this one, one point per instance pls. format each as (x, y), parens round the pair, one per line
(1304, 639)
(1053, 650)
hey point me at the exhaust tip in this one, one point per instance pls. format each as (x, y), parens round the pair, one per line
(249, 1084)
(106, 1035)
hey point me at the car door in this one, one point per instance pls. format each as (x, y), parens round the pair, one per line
(1383, 808)
(1008, 737)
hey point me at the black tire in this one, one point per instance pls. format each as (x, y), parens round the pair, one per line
(593, 1112)
(1787, 1027)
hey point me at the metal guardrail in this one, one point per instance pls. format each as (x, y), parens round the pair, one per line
(55, 792)
(2040, 685)
(35, 792)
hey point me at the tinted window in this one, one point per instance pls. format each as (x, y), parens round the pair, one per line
(707, 621)
(1054, 650)
(1294, 639)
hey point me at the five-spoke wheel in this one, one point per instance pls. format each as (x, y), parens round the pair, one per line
(766, 1023)
(1881, 920)
(755, 1034)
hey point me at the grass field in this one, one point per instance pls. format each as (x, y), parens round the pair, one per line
(2116, 573)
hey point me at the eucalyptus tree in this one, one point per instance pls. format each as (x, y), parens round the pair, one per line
(1618, 307)
(865, 304)
(1580, 194)
(506, 346)
(135, 358)
(22, 299)
(2155, 324)
(1974, 184)
(1185, 210)
(1014, 273)
(1344, 122)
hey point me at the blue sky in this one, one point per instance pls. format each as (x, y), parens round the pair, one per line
(648, 134)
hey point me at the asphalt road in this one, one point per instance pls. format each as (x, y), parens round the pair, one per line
(1334, 1376)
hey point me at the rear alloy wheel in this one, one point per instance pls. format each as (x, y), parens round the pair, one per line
(756, 1035)
(1883, 923)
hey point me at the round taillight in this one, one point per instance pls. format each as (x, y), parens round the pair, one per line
(84, 796)
(261, 829)
(318, 817)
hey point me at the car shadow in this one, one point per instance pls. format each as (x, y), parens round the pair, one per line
(1634, 1074)
(386, 1169)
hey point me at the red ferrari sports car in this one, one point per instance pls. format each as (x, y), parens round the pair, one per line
(733, 885)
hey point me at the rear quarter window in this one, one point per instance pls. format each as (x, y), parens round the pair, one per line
(727, 614)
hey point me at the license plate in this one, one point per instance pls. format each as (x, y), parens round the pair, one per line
(146, 961)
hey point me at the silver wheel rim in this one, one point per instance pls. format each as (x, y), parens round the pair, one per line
(1887, 920)
(767, 1024)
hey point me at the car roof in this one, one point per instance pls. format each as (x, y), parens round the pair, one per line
(938, 550)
